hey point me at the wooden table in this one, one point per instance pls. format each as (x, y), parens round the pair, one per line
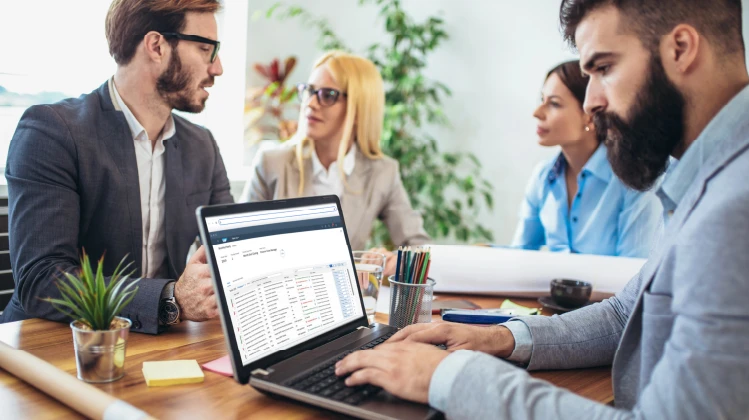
(219, 396)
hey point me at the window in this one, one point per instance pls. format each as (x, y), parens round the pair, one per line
(63, 53)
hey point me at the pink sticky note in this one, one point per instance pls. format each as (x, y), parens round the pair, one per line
(222, 366)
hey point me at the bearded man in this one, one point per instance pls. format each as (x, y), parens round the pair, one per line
(115, 171)
(668, 83)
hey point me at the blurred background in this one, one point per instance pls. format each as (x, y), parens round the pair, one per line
(462, 78)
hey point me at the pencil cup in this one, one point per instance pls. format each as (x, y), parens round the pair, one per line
(410, 303)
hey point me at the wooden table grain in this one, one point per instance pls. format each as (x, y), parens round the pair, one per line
(217, 397)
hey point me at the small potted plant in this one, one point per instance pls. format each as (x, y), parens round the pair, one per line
(99, 335)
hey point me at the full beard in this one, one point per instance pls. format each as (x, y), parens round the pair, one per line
(638, 150)
(173, 86)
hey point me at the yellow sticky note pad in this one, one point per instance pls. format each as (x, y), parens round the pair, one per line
(172, 372)
(519, 310)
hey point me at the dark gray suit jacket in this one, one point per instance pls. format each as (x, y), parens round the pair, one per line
(73, 183)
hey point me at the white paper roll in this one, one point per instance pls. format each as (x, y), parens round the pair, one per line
(503, 271)
(80, 396)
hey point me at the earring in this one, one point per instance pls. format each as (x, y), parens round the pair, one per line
(587, 128)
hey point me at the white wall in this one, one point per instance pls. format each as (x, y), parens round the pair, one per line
(223, 113)
(494, 62)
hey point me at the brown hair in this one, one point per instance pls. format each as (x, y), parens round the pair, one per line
(570, 74)
(718, 20)
(128, 21)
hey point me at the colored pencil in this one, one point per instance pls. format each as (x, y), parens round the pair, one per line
(411, 268)
(398, 262)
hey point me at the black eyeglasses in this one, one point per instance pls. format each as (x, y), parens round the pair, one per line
(325, 96)
(195, 38)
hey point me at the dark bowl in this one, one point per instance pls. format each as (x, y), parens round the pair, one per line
(570, 293)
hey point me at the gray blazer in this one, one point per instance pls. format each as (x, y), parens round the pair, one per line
(678, 334)
(73, 183)
(374, 191)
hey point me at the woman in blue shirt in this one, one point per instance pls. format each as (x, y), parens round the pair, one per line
(574, 202)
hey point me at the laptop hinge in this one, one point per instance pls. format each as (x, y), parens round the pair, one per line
(362, 328)
(260, 372)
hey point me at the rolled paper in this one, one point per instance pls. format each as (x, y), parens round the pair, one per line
(58, 384)
(515, 272)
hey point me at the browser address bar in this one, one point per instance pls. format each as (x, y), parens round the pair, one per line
(278, 216)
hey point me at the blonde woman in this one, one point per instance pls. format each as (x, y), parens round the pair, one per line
(337, 151)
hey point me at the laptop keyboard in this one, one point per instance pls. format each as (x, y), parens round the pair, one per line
(322, 380)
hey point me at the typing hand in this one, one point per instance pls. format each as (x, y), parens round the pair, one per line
(495, 340)
(403, 369)
(390, 261)
(194, 290)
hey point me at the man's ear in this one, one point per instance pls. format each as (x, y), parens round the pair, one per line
(155, 46)
(679, 51)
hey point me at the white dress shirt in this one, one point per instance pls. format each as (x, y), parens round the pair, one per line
(328, 181)
(151, 164)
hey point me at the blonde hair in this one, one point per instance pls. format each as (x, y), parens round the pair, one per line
(365, 108)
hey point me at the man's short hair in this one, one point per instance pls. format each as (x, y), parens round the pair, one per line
(718, 20)
(128, 21)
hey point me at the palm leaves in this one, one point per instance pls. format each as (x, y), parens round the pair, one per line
(89, 299)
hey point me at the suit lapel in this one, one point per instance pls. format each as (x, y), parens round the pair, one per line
(113, 131)
(174, 198)
(292, 179)
(734, 141)
(355, 196)
(626, 360)
(626, 368)
(695, 192)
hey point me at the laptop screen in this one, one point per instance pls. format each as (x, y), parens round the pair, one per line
(286, 274)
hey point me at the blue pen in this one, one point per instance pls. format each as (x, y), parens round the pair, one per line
(479, 316)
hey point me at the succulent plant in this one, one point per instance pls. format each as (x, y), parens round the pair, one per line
(88, 298)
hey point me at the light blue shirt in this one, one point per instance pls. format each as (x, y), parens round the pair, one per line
(605, 217)
(679, 176)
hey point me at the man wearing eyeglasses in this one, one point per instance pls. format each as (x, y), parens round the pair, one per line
(115, 172)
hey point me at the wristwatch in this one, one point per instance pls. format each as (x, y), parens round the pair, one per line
(168, 308)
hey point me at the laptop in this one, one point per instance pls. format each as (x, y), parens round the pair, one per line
(290, 304)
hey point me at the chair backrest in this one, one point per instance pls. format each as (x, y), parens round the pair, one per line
(6, 274)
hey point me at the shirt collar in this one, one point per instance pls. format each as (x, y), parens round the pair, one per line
(557, 169)
(349, 161)
(682, 173)
(136, 128)
(597, 165)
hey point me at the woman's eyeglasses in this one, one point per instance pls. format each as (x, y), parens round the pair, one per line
(325, 96)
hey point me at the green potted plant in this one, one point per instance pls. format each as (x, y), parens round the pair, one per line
(99, 335)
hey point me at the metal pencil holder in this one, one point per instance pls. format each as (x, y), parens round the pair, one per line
(410, 303)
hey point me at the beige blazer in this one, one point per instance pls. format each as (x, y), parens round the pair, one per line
(374, 191)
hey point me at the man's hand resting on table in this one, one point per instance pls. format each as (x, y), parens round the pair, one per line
(495, 340)
(194, 291)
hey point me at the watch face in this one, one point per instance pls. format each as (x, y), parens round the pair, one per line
(169, 313)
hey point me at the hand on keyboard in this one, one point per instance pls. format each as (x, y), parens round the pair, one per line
(404, 369)
(321, 380)
(496, 340)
